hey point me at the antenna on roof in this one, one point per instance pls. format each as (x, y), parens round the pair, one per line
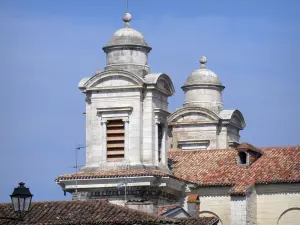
(124, 169)
(126, 5)
(76, 164)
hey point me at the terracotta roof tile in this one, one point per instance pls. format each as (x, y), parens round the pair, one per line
(246, 146)
(114, 173)
(198, 221)
(111, 174)
(91, 212)
(219, 167)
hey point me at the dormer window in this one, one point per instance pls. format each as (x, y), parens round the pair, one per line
(243, 159)
(248, 154)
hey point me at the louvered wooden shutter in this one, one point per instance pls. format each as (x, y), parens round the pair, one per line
(115, 139)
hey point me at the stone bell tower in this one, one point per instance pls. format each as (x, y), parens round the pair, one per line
(126, 106)
(202, 123)
(126, 125)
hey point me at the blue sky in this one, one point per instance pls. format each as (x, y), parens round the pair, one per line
(48, 46)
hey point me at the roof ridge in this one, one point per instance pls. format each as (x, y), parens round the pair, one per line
(278, 147)
(207, 150)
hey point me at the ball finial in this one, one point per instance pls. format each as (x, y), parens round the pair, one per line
(203, 60)
(127, 17)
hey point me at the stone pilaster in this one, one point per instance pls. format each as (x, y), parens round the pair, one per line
(164, 153)
(126, 144)
(156, 142)
(104, 127)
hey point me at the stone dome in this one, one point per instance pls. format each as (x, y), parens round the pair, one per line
(203, 76)
(127, 36)
(203, 89)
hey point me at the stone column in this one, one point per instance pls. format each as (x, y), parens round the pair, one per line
(156, 142)
(126, 138)
(104, 150)
(222, 137)
(163, 145)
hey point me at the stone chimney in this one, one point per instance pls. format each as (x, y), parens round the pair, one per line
(193, 205)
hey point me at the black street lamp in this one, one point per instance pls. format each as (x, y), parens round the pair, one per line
(21, 200)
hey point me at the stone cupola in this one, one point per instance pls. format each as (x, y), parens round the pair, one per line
(127, 50)
(202, 123)
(203, 88)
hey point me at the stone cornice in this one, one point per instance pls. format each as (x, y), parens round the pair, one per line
(203, 86)
(114, 88)
(160, 111)
(110, 48)
(153, 87)
(115, 109)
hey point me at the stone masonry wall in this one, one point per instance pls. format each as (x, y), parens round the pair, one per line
(251, 208)
(274, 200)
(214, 201)
(95, 137)
(194, 132)
(272, 204)
(238, 209)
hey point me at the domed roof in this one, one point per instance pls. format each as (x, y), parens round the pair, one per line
(202, 76)
(127, 36)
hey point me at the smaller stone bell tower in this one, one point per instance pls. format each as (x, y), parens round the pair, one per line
(202, 123)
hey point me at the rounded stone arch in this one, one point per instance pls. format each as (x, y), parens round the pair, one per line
(98, 77)
(234, 117)
(290, 216)
(238, 118)
(166, 80)
(156, 78)
(186, 110)
(209, 213)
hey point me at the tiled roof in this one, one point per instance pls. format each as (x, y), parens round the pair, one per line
(197, 221)
(246, 146)
(219, 167)
(112, 174)
(90, 212)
